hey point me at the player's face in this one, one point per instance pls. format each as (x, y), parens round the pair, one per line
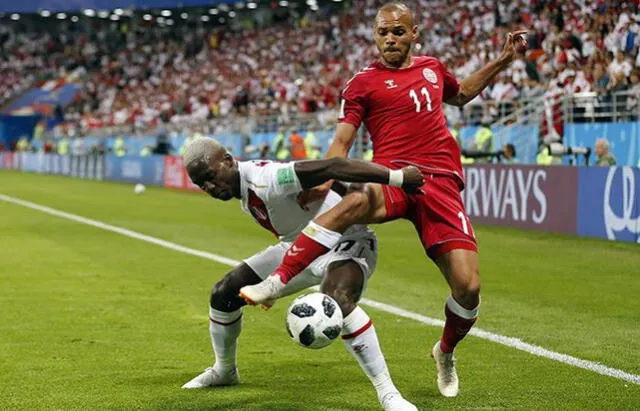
(394, 33)
(220, 179)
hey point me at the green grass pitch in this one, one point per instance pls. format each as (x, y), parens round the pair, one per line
(93, 320)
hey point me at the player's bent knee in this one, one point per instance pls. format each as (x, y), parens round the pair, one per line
(467, 293)
(356, 205)
(377, 211)
(224, 296)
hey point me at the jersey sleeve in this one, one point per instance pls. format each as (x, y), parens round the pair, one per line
(352, 107)
(279, 180)
(451, 85)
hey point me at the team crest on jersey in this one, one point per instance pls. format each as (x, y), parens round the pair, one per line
(390, 84)
(430, 75)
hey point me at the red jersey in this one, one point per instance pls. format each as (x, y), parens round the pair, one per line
(402, 111)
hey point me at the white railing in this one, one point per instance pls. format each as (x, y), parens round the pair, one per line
(521, 128)
(609, 107)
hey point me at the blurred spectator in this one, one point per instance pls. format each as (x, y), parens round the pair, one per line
(163, 146)
(312, 146)
(601, 79)
(298, 150)
(48, 147)
(264, 151)
(63, 146)
(483, 139)
(23, 144)
(634, 96)
(156, 75)
(39, 130)
(603, 156)
(119, 147)
(620, 65)
(543, 158)
(78, 147)
(509, 154)
(280, 150)
(146, 151)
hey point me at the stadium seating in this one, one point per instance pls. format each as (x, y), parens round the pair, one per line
(144, 74)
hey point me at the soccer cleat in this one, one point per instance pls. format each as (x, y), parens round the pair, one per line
(211, 378)
(447, 376)
(393, 401)
(264, 293)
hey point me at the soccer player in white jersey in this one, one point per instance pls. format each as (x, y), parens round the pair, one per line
(268, 192)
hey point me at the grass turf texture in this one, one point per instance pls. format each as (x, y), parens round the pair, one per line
(93, 320)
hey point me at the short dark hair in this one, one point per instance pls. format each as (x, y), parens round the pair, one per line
(511, 148)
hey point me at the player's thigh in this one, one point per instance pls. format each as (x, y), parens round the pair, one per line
(344, 282)
(377, 211)
(362, 204)
(265, 262)
(440, 219)
(387, 203)
(348, 266)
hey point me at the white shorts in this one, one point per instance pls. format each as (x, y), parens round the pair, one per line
(360, 246)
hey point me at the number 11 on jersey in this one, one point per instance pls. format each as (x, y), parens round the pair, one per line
(416, 100)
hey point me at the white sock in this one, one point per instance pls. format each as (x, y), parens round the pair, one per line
(322, 235)
(224, 329)
(360, 338)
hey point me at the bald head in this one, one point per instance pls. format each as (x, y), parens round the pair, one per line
(397, 9)
(602, 147)
(200, 153)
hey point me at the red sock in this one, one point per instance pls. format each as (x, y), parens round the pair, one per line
(313, 242)
(458, 322)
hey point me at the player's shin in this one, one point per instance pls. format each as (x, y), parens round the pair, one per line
(224, 329)
(360, 339)
(459, 321)
(313, 242)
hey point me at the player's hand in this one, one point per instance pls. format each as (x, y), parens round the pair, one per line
(516, 43)
(313, 194)
(412, 180)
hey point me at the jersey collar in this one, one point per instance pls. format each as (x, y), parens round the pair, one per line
(383, 66)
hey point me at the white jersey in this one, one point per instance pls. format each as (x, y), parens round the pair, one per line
(269, 194)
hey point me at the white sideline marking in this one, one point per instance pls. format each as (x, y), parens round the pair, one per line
(477, 332)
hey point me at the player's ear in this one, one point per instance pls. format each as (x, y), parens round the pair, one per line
(228, 159)
(414, 33)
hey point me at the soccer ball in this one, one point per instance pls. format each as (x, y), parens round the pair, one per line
(139, 188)
(314, 320)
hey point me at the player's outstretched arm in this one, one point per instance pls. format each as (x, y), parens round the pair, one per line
(313, 172)
(343, 140)
(473, 85)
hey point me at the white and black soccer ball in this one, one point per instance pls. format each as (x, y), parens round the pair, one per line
(314, 320)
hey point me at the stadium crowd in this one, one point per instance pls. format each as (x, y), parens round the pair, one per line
(142, 74)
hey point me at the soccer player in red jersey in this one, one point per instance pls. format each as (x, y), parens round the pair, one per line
(399, 98)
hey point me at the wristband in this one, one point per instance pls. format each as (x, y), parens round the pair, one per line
(395, 178)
